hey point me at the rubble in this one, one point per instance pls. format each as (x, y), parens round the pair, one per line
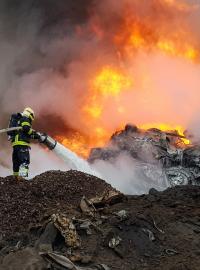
(87, 207)
(46, 240)
(157, 154)
(123, 214)
(27, 203)
(109, 197)
(150, 234)
(67, 229)
(27, 258)
(156, 231)
(114, 242)
(86, 225)
(67, 264)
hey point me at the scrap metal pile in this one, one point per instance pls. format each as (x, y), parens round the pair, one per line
(157, 154)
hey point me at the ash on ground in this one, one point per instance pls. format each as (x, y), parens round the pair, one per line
(72, 220)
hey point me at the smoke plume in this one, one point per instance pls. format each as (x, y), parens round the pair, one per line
(50, 52)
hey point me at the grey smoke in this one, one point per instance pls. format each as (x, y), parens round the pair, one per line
(48, 53)
(126, 175)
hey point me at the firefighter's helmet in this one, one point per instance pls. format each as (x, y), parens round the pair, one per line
(28, 112)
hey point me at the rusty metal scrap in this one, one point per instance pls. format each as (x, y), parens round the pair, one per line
(67, 229)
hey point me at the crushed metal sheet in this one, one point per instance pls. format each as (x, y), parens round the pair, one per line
(150, 234)
(67, 229)
(171, 252)
(108, 197)
(103, 267)
(85, 223)
(60, 259)
(123, 214)
(65, 262)
(155, 225)
(86, 226)
(114, 242)
(87, 207)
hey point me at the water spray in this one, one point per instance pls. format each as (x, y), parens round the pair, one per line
(75, 162)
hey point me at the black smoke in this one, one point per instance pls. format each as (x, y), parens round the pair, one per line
(27, 27)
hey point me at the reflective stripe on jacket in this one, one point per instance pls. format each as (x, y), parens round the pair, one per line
(23, 136)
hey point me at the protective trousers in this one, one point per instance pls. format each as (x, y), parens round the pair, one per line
(21, 160)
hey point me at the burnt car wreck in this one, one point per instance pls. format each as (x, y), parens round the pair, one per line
(156, 153)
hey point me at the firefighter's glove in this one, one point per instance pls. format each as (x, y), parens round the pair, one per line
(35, 135)
(41, 137)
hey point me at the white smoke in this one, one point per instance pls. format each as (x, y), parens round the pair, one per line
(73, 161)
(127, 175)
(41, 160)
(124, 173)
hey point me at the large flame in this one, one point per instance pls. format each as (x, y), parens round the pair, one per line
(111, 82)
(108, 82)
(168, 128)
(146, 35)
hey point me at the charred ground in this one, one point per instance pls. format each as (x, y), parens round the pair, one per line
(160, 230)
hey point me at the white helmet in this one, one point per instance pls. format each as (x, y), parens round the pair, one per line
(28, 112)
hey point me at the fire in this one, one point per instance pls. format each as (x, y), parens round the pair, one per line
(167, 128)
(108, 83)
(82, 144)
(136, 39)
(76, 143)
(137, 36)
(154, 34)
(163, 31)
(185, 51)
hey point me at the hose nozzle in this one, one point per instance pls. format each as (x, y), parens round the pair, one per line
(47, 140)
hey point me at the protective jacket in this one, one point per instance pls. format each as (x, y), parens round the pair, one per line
(23, 136)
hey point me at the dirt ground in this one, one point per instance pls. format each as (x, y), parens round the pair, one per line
(157, 231)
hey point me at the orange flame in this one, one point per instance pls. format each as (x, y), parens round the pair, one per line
(167, 128)
(130, 36)
(136, 36)
(81, 144)
(153, 32)
(109, 82)
(76, 143)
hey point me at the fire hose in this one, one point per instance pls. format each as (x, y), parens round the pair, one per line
(43, 138)
(64, 153)
(10, 129)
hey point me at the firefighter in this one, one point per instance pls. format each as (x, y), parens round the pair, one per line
(21, 144)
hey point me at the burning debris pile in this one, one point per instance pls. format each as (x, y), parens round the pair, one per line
(76, 221)
(157, 154)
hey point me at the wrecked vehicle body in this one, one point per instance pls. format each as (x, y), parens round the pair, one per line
(156, 154)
